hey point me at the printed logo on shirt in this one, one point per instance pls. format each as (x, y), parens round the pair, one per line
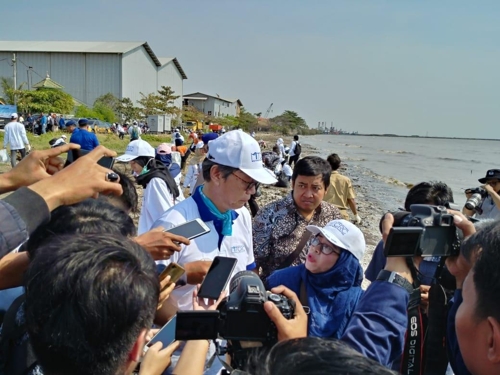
(237, 249)
(256, 156)
(340, 227)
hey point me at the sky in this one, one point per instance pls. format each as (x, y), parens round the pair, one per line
(402, 67)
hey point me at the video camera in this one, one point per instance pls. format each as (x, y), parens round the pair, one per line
(426, 231)
(240, 318)
(478, 194)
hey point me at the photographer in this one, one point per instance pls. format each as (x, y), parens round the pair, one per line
(378, 325)
(489, 206)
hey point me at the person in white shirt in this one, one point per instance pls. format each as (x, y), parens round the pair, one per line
(232, 171)
(294, 156)
(281, 148)
(194, 167)
(15, 138)
(160, 188)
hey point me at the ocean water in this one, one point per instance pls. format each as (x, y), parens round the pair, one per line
(384, 165)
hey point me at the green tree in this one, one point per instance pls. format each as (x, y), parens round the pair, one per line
(289, 120)
(128, 111)
(149, 104)
(166, 99)
(246, 120)
(8, 90)
(108, 101)
(44, 100)
(190, 113)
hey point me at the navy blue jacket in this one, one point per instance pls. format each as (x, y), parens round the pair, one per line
(86, 140)
(378, 326)
(454, 354)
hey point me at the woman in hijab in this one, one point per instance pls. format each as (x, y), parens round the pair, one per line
(160, 189)
(329, 283)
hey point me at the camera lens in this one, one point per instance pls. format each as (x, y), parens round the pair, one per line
(235, 281)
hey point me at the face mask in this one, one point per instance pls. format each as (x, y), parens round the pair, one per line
(144, 170)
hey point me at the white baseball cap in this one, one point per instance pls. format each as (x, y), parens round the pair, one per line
(135, 149)
(344, 234)
(239, 150)
(14, 115)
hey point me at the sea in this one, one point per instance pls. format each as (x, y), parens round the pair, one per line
(386, 166)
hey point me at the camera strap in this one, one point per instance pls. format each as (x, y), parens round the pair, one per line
(411, 363)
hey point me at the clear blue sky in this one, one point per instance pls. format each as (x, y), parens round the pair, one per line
(407, 67)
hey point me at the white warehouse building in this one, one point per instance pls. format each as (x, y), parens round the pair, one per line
(88, 70)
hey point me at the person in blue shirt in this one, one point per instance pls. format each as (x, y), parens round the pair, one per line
(62, 123)
(82, 136)
(329, 282)
(43, 123)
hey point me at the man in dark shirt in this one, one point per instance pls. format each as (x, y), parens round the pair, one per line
(82, 136)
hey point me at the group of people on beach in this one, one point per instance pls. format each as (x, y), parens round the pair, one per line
(81, 292)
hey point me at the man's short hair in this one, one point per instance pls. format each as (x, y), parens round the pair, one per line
(295, 137)
(485, 244)
(313, 356)
(207, 165)
(89, 216)
(129, 200)
(334, 161)
(88, 297)
(434, 192)
(313, 166)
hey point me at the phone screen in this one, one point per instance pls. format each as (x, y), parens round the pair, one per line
(105, 161)
(403, 242)
(166, 334)
(190, 230)
(196, 325)
(217, 277)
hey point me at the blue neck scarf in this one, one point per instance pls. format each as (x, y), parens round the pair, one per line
(333, 296)
(226, 219)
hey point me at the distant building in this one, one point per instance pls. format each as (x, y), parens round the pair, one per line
(88, 70)
(214, 105)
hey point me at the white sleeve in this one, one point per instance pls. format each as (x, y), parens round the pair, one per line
(158, 199)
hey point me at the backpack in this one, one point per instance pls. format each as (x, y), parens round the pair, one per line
(298, 148)
(135, 134)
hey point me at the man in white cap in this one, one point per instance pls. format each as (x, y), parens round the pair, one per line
(15, 138)
(232, 171)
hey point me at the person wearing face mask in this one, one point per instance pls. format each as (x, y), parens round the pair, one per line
(329, 282)
(160, 189)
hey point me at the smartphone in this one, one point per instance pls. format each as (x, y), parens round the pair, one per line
(217, 277)
(197, 325)
(191, 229)
(105, 161)
(174, 271)
(166, 334)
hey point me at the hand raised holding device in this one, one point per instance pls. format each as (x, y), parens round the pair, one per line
(217, 277)
(192, 229)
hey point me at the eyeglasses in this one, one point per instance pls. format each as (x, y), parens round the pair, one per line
(252, 184)
(325, 249)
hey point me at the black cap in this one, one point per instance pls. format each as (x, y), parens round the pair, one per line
(83, 122)
(490, 175)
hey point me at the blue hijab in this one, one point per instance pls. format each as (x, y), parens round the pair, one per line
(333, 296)
(166, 159)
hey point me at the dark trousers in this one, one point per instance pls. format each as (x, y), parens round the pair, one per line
(293, 159)
(13, 156)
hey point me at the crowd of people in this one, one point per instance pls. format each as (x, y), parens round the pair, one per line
(80, 291)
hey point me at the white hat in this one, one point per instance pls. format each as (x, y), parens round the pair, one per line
(14, 115)
(343, 234)
(63, 136)
(239, 150)
(135, 149)
(134, 123)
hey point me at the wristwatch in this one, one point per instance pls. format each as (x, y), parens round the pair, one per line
(395, 278)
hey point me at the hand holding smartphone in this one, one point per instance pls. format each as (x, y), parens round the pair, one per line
(73, 155)
(191, 229)
(174, 271)
(217, 277)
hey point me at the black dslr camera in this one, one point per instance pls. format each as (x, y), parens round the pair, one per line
(240, 318)
(426, 231)
(474, 202)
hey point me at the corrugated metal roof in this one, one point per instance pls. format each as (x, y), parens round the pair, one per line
(218, 97)
(85, 47)
(69, 46)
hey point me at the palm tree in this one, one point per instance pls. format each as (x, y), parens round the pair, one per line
(8, 90)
